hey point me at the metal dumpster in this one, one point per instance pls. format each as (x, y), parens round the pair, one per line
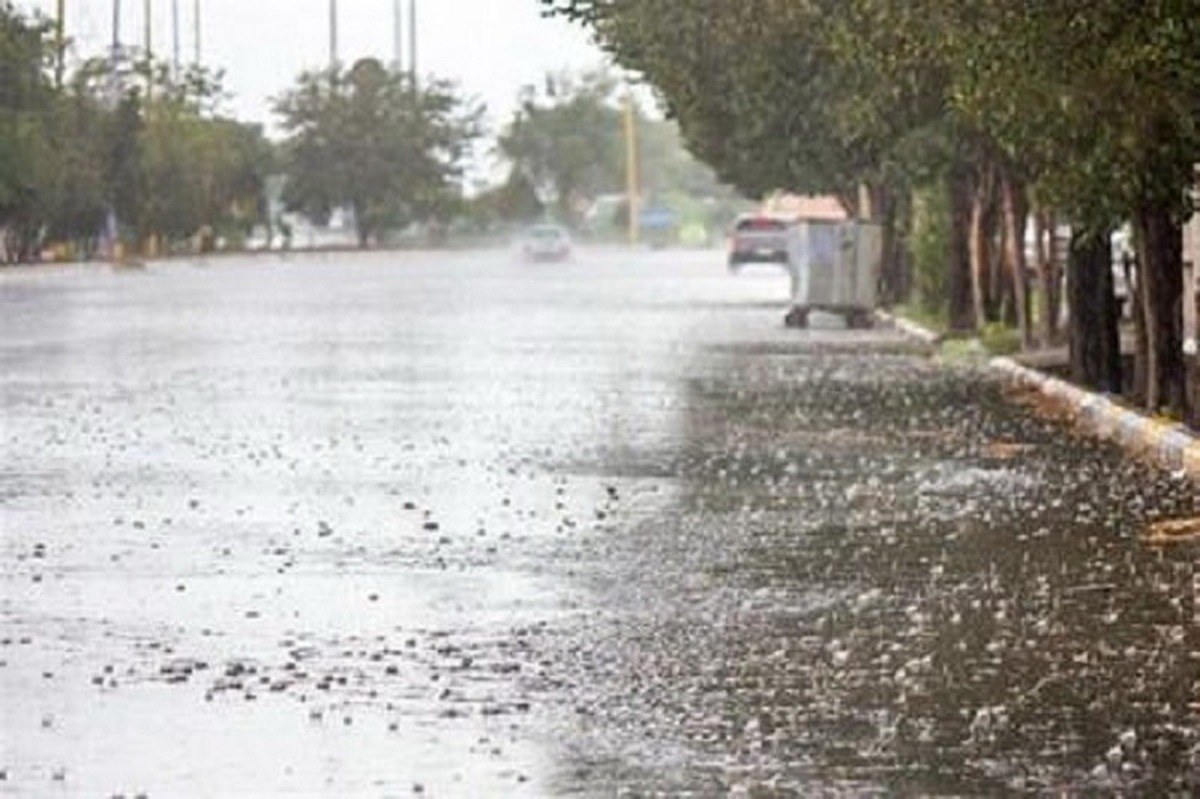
(835, 268)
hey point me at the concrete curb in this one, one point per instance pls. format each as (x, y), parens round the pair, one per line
(1170, 444)
(910, 329)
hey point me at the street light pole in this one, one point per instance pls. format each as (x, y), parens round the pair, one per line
(412, 41)
(333, 34)
(148, 45)
(632, 176)
(175, 36)
(116, 28)
(398, 36)
(112, 223)
(60, 43)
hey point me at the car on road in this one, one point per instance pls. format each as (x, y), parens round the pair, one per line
(757, 239)
(545, 242)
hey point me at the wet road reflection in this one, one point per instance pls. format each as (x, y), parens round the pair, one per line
(454, 525)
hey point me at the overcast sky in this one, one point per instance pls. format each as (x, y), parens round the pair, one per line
(491, 47)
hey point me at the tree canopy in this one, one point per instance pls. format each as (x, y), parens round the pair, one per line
(128, 136)
(566, 142)
(369, 140)
(1089, 110)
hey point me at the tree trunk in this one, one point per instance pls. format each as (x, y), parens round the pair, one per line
(1052, 286)
(958, 259)
(1093, 334)
(1042, 249)
(1141, 344)
(883, 209)
(980, 247)
(1160, 257)
(1191, 359)
(902, 226)
(1002, 274)
(362, 226)
(1014, 210)
(849, 198)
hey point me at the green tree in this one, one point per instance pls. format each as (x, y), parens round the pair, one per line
(367, 139)
(772, 93)
(26, 100)
(1099, 106)
(565, 141)
(514, 201)
(1087, 108)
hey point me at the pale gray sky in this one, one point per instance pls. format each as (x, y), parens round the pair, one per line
(491, 47)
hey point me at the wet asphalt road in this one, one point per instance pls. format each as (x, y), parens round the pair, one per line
(458, 526)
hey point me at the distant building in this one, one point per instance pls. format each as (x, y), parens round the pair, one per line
(803, 206)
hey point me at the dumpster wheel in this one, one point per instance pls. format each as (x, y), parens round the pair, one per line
(797, 317)
(860, 319)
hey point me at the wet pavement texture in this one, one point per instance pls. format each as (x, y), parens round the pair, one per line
(394, 525)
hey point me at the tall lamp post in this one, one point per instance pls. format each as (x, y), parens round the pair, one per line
(148, 28)
(60, 43)
(175, 37)
(632, 172)
(397, 36)
(333, 34)
(112, 223)
(412, 41)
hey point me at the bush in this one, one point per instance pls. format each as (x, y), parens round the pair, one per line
(1000, 339)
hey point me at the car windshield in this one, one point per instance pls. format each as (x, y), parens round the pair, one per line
(546, 233)
(759, 223)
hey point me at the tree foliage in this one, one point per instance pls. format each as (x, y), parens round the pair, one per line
(368, 140)
(566, 141)
(1090, 109)
(126, 136)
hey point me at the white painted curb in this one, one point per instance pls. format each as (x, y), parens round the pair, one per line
(910, 329)
(1170, 444)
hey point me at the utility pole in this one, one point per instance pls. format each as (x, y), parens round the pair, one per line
(412, 42)
(148, 29)
(116, 29)
(148, 45)
(397, 35)
(632, 176)
(111, 222)
(60, 43)
(175, 36)
(197, 30)
(333, 34)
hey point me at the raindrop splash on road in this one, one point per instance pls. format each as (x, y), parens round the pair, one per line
(377, 524)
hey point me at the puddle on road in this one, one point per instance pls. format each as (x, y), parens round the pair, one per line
(584, 554)
(951, 599)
